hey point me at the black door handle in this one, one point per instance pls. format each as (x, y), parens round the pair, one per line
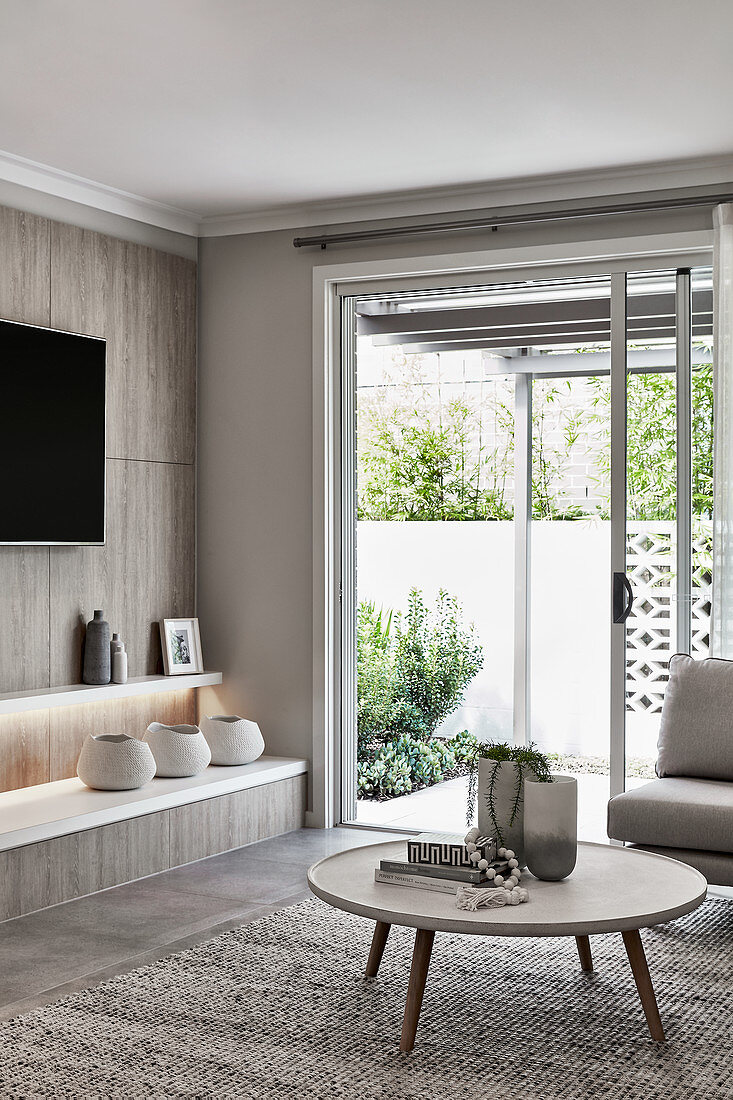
(622, 606)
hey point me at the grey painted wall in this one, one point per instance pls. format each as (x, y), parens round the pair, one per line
(254, 483)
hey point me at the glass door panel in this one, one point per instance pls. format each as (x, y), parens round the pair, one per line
(669, 494)
(571, 558)
(651, 512)
(434, 572)
(570, 567)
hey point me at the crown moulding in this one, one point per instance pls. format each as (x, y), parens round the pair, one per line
(19, 172)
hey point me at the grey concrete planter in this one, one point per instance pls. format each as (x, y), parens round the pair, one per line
(508, 828)
(551, 827)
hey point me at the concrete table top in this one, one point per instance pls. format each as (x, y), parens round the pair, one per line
(612, 889)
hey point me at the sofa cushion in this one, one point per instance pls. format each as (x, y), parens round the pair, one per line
(696, 731)
(675, 813)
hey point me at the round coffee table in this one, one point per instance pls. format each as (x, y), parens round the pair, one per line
(612, 889)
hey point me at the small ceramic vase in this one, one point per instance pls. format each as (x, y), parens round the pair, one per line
(551, 827)
(178, 750)
(115, 762)
(232, 740)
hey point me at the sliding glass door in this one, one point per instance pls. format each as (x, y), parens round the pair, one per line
(520, 464)
(669, 468)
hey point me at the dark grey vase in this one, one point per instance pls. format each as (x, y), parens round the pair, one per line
(96, 651)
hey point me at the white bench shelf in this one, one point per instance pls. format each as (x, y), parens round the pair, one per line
(49, 810)
(14, 702)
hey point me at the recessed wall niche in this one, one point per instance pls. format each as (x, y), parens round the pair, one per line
(143, 302)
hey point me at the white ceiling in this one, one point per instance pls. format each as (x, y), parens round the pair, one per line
(220, 107)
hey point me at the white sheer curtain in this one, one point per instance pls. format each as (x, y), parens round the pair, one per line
(722, 634)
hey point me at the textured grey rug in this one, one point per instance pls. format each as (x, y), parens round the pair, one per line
(279, 1008)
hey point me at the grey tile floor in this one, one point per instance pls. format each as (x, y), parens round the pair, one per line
(57, 951)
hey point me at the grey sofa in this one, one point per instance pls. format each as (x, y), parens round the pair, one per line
(688, 812)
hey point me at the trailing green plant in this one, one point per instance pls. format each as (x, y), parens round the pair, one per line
(412, 668)
(527, 758)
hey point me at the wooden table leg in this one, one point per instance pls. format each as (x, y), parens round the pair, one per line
(379, 942)
(586, 959)
(640, 970)
(416, 988)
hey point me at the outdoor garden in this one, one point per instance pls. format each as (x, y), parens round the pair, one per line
(435, 450)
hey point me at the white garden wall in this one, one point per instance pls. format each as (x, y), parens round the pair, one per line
(474, 561)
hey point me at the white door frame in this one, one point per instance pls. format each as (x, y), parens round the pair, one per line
(617, 744)
(330, 283)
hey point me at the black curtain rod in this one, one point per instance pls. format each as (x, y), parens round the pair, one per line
(494, 221)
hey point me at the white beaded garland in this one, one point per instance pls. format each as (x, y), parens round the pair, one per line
(483, 864)
(491, 873)
(470, 847)
(513, 862)
(498, 880)
(502, 852)
(472, 836)
(475, 857)
(508, 853)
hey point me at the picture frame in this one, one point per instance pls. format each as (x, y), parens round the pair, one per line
(181, 643)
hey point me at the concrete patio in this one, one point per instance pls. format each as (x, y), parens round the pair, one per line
(442, 808)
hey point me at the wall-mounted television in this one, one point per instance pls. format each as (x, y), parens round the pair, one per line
(52, 437)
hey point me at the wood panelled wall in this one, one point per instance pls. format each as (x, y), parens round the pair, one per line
(143, 302)
(53, 871)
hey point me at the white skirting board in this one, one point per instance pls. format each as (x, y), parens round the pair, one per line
(34, 814)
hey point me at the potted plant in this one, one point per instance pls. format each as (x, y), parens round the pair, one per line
(496, 787)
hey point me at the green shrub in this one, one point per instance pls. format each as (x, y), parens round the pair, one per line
(412, 669)
(386, 776)
(413, 468)
(451, 460)
(406, 763)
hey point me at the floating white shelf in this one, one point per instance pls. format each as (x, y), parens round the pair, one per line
(67, 806)
(13, 702)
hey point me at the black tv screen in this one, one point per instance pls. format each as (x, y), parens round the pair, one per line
(52, 436)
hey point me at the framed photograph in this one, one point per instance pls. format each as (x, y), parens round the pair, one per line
(181, 643)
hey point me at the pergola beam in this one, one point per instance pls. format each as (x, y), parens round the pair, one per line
(527, 316)
(554, 339)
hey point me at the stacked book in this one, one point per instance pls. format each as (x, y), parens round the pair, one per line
(442, 862)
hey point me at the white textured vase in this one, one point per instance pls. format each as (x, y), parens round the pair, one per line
(178, 750)
(551, 827)
(232, 740)
(115, 762)
(508, 828)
